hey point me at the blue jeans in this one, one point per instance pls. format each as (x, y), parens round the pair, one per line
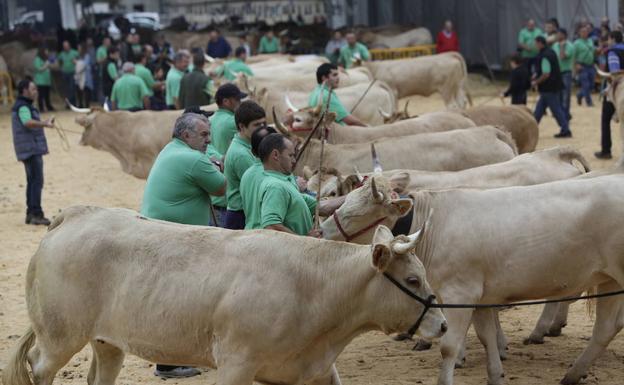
(69, 87)
(586, 78)
(566, 78)
(220, 213)
(551, 100)
(234, 220)
(34, 184)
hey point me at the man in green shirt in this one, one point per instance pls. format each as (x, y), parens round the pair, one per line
(196, 86)
(43, 79)
(144, 73)
(584, 57)
(248, 117)
(353, 52)
(526, 42)
(129, 92)
(565, 53)
(269, 43)
(101, 56)
(67, 61)
(174, 77)
(228, 98)
(230, 68)
(327, 77)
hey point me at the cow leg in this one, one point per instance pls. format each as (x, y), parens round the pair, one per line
(46, 358)
(235, 370)
(450, 345)
(332, 379)
(107, 363)
(609, 321)
(92, 369)
(500, 337)
(560, 321)
(484, 321)
(543, 324)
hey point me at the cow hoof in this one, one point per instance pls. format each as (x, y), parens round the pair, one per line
(553, 333)
(460, 363)
(533, 341)
(503, 355)
(402, 337)
(422, 345)
(568, 381)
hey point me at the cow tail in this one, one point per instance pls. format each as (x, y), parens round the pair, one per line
(590, 303)
(464, 83)
(569, 154)
(505, 136)
(16, 370)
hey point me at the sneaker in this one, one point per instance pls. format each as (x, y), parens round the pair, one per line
(563, 135)
(603, 155)
(38, 220)
(179, 372)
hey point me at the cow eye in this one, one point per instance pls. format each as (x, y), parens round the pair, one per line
(413, 281)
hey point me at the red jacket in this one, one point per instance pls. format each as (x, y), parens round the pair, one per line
(445, 44)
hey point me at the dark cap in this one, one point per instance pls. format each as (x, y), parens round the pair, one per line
(229, 91)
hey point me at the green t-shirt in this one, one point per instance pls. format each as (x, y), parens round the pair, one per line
(545, 64)
(128, 92)
(232, 67)
(146, 75)
(42, 75)
(282, 203)
(249, 190)
(101, 53)
(179, 184)
(269, 45)
(67, 61)
(584, 51)
(237, 160)
(111, 68)
(335, 105)
(221, 200)
(348, 54)
(568, 48)
(222, 129)
(172, 85)
(24, 114)
(527, 37)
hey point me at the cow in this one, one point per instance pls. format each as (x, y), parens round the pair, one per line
(444, 73)
(439, 151)
(19, 59)
(279, 315)
(413, 37)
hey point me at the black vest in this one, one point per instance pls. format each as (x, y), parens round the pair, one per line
(107, 81)
(620, 54)
(554, 82)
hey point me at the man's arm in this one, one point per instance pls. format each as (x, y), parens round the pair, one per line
(208, 177)
(353, 121)
(545, 72)
(328, 206)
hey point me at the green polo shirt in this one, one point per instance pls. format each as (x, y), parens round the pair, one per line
(42, 75)
(232, 67)
(172, 85)
(111, 68)
(179, 184)
(527, 37)
(584, 51)
(128, 92)
(24, 114)
(348, 53)
(249, 192)
(67, 60)
(269, 45)
(335, 105)
(568, 48)
(222, 129)
(217, 201)
(146, 75)
(237, 160)
(101, 53)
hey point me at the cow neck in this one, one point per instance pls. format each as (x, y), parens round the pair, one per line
(422, 204)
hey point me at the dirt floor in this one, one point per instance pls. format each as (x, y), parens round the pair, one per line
(84, 175)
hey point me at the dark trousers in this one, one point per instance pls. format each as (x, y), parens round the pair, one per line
(69, 87)
(234, 220)
(220, 213)
(519, 98)
(586, 78)
(608, 110)
(44, 98)
(551, 100)
(34, 184)
(566, 78)
(84, 97)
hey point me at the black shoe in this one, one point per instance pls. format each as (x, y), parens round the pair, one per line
(578, 100)
(179, 372)
(563, 135)
(603, 155)
(38, 220)
(29, 218)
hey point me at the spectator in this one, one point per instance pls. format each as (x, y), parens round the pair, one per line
(526, 42)
(163, 53)
(195, 86)
(242, 41)
(269, 43)
(142, 71)
(565, 54)
(217, 47)
(332, 49)
(549, 84)
(228, 98)
(157, 101)
(447, 39)
(174, 76)
(520, 81)
(67, 60)
(584, 57)
(94, 69)
(230, 68)
(30, 145)
(109, 72)
(43, 79)
(101, 58)
(129, 92)
(83, 77)
(550, 30)
(353, 52)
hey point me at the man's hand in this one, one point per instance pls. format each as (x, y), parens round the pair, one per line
(49, 123)
(315, 233)
(302, 184)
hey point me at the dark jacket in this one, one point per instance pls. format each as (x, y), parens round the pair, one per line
(27, 141)
(107, 81)
(519, 84)
(554, 83)
(219, 49)
(192, 89)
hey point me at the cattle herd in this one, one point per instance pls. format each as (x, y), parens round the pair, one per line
(465, 209)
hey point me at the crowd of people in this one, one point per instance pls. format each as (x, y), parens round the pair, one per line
(550, 61)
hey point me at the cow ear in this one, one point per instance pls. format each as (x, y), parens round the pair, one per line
(330, 117)
(402, 206)
(349, 183)
(307, 172)
(399, 182)
(382, 254)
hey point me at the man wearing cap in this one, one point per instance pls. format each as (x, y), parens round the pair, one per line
(174, 77)
(353, 51)
(195, 86)
(228, 98)
(130, 92)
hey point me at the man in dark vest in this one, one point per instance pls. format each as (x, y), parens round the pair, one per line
(110, 72)
(195, 86)
(30, 146)
(548, 81)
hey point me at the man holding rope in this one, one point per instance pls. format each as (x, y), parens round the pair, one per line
(327, 77)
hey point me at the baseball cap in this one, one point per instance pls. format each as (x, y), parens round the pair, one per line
(229, 91)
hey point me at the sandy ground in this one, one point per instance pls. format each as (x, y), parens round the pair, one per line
(84, 175)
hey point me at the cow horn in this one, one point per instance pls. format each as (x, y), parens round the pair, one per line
(383, 113)
(76, 109)
(278, 124)
(106, 105)
(405, 113)
(289, 103)
(379, 197)
(209, 58)
(602, 73)
(402, 248)
(358, 175)
(376, 164)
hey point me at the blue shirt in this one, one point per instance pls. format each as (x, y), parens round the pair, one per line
(219, 49)
(613, 59)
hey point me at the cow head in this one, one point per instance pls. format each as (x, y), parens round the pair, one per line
(86, 119)
(395, 257)
(615, 85)
(333, 184)
(389, 118)
(364, 208)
